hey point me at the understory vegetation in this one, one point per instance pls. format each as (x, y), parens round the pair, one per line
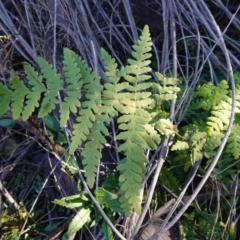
(118, 125)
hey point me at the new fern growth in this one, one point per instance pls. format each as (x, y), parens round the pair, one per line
(130, 96)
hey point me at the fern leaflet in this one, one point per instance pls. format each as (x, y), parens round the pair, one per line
(233, 145)
(54, 85)
(87, 115)
(6, 96)
(72, 77)
(34, 95)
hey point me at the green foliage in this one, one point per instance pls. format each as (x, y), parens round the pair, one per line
(72, 77)
(137, 104)
(73, 201)
(233, 145)
(169, 180)
(204, 135)
(188, 231)
(79, 220)
(130, 98)
(12, 222)
(204, 223)
(129, 95)
(209, 225)
(204, 126)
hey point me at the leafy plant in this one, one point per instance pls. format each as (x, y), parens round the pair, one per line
(206, 224)
(203, 135)
(138, 104)
(129, 96)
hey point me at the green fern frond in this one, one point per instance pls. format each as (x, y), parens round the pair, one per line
(226, 168)
(237, 95)
(180, 145)
(135, 133)
(6, 96)
(90, 107)
(20, 91)
(169, 179)
(92, 148)
(72, 77)
(219, 118)
(233, 143)
(212, 94)
(211, 144)
(134, 120)
(90, 123)
(54, 85)
(165, 127)
(139, 64)
(132, 173)
(168, 89)
(37, 87)
(112, 72)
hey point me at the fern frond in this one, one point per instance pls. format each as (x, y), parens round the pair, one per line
(72, 77)
(219, 118)
(180, 145)
(233, 143)
(6, 96)
(130, 98)
(87, 115)
(90, 123)
(20, 91)
(112, 72)
(54, 85)
(139, 65)
(212, 94)
(168, 89)
(237, 95)
(165, 126)
(37, 87)
(92, 148)
(169, 179)
(226, 168)
(132, 173)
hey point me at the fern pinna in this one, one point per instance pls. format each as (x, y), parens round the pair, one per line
(130, 96)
